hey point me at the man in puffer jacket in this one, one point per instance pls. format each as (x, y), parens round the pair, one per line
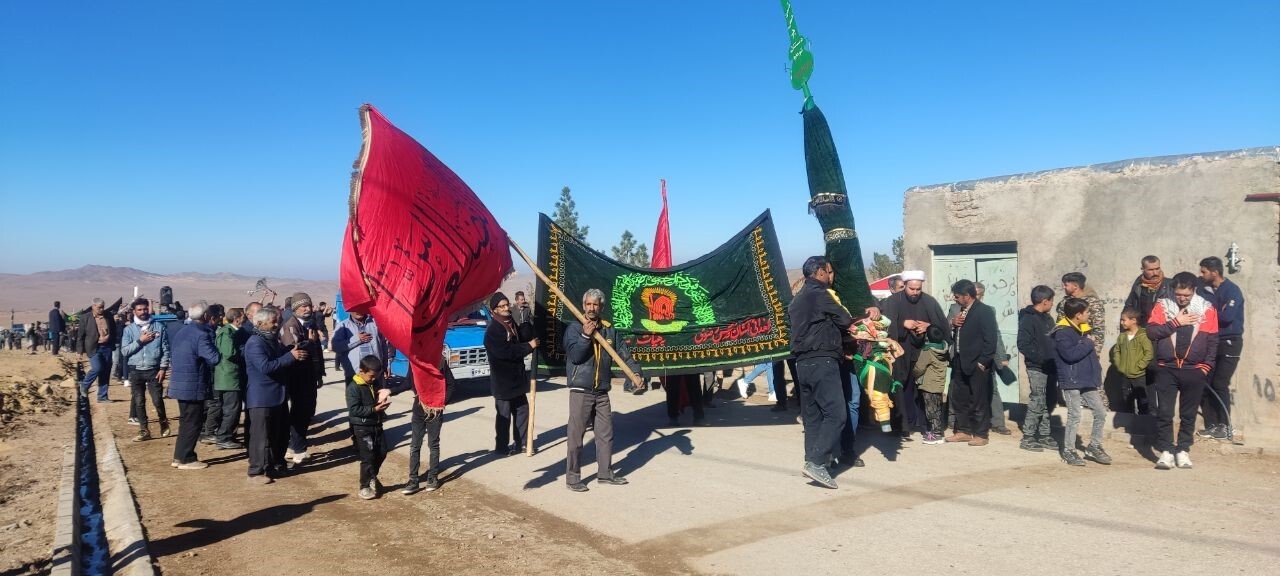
(1079, 376)
(1184, 331)
(192, 358)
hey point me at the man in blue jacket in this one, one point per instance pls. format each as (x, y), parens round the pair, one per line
(1226, 296)
(267, 362)
(193, 355)
(144, 345)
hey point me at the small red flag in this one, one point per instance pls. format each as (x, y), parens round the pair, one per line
(419, 247)
(662, 239)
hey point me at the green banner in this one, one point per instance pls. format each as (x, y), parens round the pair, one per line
(725, 309)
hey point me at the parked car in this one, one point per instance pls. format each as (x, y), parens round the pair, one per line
(463, 350)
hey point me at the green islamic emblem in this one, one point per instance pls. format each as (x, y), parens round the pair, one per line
(657, 287)
(801, 57)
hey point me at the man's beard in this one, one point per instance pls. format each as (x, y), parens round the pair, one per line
(914, 299)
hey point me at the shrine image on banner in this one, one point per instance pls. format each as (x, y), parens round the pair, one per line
(725, 309)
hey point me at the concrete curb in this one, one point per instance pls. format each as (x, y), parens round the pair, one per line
(125, 538)
(65, 554)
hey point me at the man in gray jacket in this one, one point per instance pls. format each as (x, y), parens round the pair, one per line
(589, 374)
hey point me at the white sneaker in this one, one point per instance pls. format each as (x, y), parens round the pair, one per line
(773, 396)
(1183, 459)
(1165, 462)
(299, 457)
(742, 388)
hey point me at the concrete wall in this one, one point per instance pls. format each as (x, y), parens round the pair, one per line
(1101, 220)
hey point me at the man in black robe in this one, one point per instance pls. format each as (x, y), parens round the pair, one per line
(912, 312)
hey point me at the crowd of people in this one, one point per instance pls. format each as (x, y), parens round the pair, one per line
(247, 378)
(1177, 350)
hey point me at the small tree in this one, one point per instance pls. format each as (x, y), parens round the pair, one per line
(881, 266)
(641, 258)
(566, 216)
(628, 253)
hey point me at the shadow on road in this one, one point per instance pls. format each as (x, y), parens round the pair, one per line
(211, 531)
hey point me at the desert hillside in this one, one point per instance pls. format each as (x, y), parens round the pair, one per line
(30, 296)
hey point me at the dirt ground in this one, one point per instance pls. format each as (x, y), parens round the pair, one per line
(213, 522)
(36, 418)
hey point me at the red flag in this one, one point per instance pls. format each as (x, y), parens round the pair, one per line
(662, 239)
(419, 247)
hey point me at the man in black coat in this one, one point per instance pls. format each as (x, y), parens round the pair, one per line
(507, 344)
(98, 337)
(1148, 288)
(818, 323)
(973, 360)
(57, 325)
(303, 377)
(911, 312)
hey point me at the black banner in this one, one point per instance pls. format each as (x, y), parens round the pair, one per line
(725, 309)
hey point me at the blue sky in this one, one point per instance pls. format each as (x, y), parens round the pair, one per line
(230, 127)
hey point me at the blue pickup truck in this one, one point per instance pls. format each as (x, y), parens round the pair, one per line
(463, 346)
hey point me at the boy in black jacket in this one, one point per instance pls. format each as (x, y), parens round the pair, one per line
(1034, 325)
(367, 403)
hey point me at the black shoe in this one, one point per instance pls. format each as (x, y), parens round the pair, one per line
(849, 460)
(512, 451)
(577, 487)
(208, 440)
(906, 437)
(1072, 458)
(614, 481)
(230, 445)
(1207, 432)
(410, 487)
(1220, 432)
(1029, 444)
(1001, 430)
(1048, 443)
(701, 422)
(433, 482)
(778, 408)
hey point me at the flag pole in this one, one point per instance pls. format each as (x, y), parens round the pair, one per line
(576, 314)
(533, 402)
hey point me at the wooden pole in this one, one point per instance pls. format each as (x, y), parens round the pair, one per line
(533, 402)
(599, 338)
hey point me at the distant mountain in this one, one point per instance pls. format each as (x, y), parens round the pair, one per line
(31, 295)
(94, 273)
